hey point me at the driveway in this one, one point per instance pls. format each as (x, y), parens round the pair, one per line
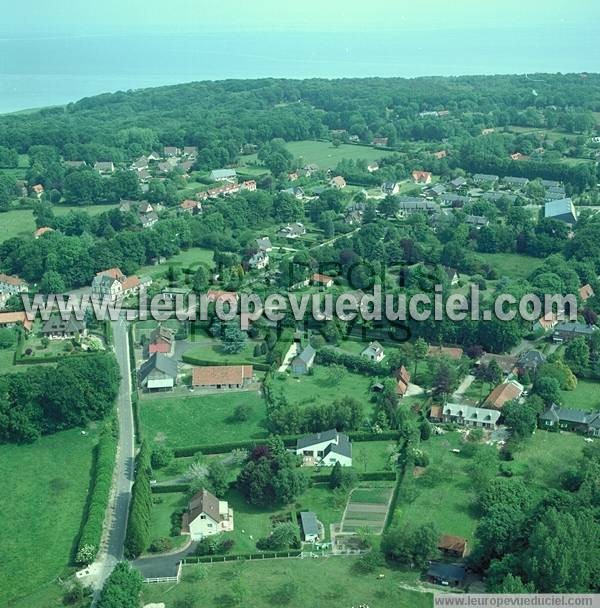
(158, 566)
(463, 387)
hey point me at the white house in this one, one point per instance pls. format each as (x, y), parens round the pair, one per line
(206, 515)
(259, 260)
(373, 352)
(325, 449)
(223, 175)
(12, 285)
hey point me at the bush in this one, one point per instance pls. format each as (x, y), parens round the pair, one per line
(161, 545)
(214, 545)
(369, 562)
(162, 456)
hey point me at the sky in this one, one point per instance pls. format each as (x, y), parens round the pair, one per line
(72, 18)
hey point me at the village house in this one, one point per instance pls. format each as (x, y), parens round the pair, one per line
(113, 284)
(293, 231)
(566, 419)
(457, 183)
(477, 221)
(445, 351)
(519, 156)
(586, 292)
(390, 188)
(337, 182)
(373, 352)
(206, 515)
(485, 179)
(140, 164)
(295, 191)
(259, 260)
(421, 177)
(372, 167)
(402, 380)
(190, 151)
(325, 449)
(435, 191)
(468, 415)
(565, 332)
(37, 190)
(507, 363)
(562, 210)
(159, 372)
(191, 207)
(56, 328)
(104, 167)
(496, 197)
(222, 377)
(411, 205)
(507, 391)
(42, 231)
(223, 175)
(264, 244)
(546, 323)
(224, 297)
(310, 526)
(321, 280)
(15, 319)
(488, 131)
(452, 275)
(170, 151)
(161, 340)
(452, 546)
(12, 285)
(451, 199)
(515, 182)
(303, 362)
(380, 142)
(74, 164)
(440, 154)
(448, 575)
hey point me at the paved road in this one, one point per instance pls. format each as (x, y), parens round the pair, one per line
(118, 507)
(158, 566)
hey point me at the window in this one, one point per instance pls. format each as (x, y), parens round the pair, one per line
(202, 516)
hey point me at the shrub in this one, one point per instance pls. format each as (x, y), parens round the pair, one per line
(161, 545)
(161, 456)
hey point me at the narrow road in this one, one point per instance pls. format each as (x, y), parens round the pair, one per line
(113, 539)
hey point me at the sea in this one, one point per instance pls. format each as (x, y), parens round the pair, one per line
(47, 70)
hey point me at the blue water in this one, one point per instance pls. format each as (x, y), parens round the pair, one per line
(38, 72)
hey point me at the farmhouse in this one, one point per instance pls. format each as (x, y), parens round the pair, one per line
(56, 328)
(229, 297)
(321, 280)
(380, 142)
(190, 206)
(390, 188)
(293, 231)
(12, 319)
(223, 175)
(206, 515)
(403, 380)
(264, 244)
(452, 546)
(113, 284)
(567, 419)
(158, 372)
(325, 449)
(562, 210)
(373, 352)
(467, 415)
(452, 275)
(507, 391)
(421, 177)
(259, 260)
(507, 363)
(42, 231)
(529, 361)
(586, 292)
(104, 168)
(310, 526)
(484, 178)
(222, 377)
(303, 362)
(161, 340)
(337, 182)
(170, 151)
(458, 183)
(445, 351)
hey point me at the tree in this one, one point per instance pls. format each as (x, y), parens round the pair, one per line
(548, 389)
(122, 588)
(577, 355)
(200, 280)
(217, 478)
(242, 412)
(161, 456)
(410, 544)
(520, 418)
(420, 350)
(336, 476)
(234, 339)
(7, 337)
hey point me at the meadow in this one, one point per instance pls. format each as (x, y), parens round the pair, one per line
(47, 483)
(513, 265)
(201, 419)
(586, 396)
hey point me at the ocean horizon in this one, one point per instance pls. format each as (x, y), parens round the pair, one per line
(46, 71)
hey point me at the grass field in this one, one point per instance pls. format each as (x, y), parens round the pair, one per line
(585, 397)
(373, 455)
(449, 503)
(319, 388)
(325, 155)
(160, 526)
(46, 487)
(181, 421)
(514, 265)
(209, 349)
(190, 258)
(544, 457)
(276, 583)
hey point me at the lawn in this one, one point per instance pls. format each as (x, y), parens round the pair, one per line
(162, 508)
(190, 258)
(46, 485)
(320, 388)
(373, 455)
(585, 397)
(274, 583)
(191, 420)
(325, 155)
(544, 457)
(513, 265)
(449, 503)
(209, 349)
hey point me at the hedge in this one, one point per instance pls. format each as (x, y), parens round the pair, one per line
(371, 476)
(170, 488)
(288, 441)
(352, 363)
(102, 474)
(137, 538)
(203, 559)
(193, 360)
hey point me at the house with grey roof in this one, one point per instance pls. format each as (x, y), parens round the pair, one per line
(264, 244)
(325, 449)
(448, 575)
(529, 361)
(310, 526)
(495, 197)
(565, 332)
(56, 328)
(373, 352)
(223, 175)
(303, 362)
(458, 183)
(468, 415)
(409, 205)
(454, 200)
(567, 419)
(477, 221)
(390, 188)
(485, 178)
(159, 372)
(515, 182)
(550, 183)
(562, 210)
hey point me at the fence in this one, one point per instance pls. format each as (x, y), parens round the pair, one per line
(165, 579)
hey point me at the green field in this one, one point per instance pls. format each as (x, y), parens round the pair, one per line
(183, 420)
(513, 265)
(370, 456)
(160, 526)
(46, 487)
(209, 349)
(190, 258)
(275, 583)
(318, 388)
(449, 503)
(585, 397)
(325, 155)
